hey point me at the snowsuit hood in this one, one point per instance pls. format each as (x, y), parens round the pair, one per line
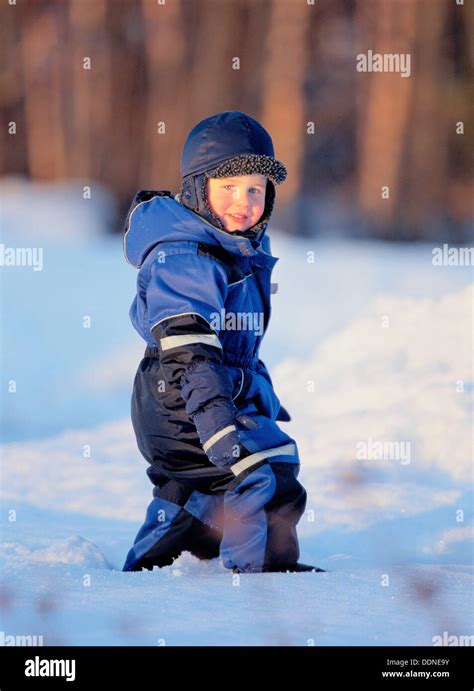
(157, 216)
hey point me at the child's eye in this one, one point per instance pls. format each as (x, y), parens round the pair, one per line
(233, 187)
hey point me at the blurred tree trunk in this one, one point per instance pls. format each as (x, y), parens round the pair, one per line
(124, 136)
(89, 104)
(41, 51)
(384, 102)
(426, 174)
(283, 75)
(13, 158)
(402, 135)
(212, 82)
(165, 100)
(458, 92)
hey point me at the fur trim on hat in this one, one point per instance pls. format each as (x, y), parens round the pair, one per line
(250, 164)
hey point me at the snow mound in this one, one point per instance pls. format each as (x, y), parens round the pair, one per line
(96, 472)
(73, 550)
(400, 373)
(60, 211)
(188, 565)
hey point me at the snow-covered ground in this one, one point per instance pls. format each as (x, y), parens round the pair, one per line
(370, 349)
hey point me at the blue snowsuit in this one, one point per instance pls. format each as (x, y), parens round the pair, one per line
(201, 383)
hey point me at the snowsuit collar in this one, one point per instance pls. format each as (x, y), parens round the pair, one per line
(164, 219)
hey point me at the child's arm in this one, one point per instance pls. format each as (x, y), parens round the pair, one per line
(183, 293)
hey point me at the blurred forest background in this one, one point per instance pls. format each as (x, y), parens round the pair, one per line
(105, 91)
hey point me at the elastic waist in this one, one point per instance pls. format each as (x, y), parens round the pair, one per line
(244, 363)
(152, 351)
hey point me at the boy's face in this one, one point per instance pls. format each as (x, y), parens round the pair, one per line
(238, 201)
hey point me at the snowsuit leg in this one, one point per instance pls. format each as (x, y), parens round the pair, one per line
(253, 519)
(261, 511)
(170, 528)
(247, 516)
(184, 513)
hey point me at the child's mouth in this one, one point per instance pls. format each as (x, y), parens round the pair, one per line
(238, 218)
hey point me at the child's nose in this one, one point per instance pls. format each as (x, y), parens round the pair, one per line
(242, 198)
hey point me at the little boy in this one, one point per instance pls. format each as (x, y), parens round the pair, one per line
(203, 407)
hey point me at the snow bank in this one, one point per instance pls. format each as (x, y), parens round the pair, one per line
(54, 211)
(74, 550)
(400, 374)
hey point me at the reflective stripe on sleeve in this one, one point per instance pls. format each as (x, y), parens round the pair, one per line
(240, 466)
(218, 435)
(169, 342)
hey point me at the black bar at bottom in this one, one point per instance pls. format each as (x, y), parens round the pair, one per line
(229, 666)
